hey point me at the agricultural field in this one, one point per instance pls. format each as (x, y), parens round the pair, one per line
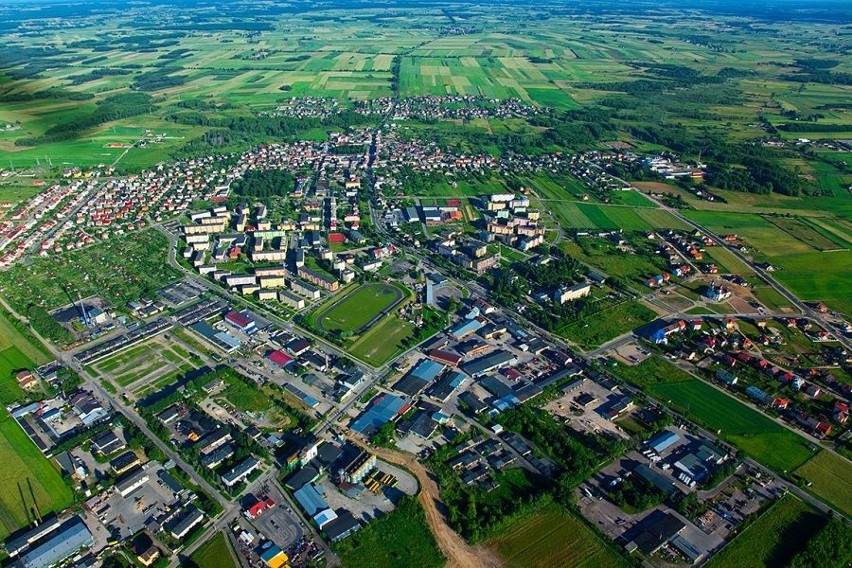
(813, 274)
(12, 336)
(215, 553)
(759, 436)
(400, 538)
(27, 475)
(773, 539)
(552, 536)
(828, 474)
(359, 307)
(12, 359)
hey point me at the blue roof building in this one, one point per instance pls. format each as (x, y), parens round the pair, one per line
(427, 370)
(663, 441)
(465, 327)
(310, 500)
(71, 536)
(382, 410)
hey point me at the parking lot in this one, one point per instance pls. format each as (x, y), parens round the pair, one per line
(279, 524)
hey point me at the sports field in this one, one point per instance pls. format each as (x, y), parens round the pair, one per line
(761, 437)
(829, 475)
(146, 363)
(382, 342)
(552, 536)
(359, 307)
(26, 473)
(773, 539)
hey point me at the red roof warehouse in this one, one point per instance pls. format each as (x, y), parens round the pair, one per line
(279, 358)
(240, 321)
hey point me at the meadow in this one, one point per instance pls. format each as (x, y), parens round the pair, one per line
(829, 475)
(399, 538)
(551, 536)
(12, 359)
(607, 324)
(23, 464)
(772, 539)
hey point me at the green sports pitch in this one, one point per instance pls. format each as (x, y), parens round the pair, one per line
(359, 307)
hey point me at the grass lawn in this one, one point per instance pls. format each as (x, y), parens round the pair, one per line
(773, 539)
(22, 462)
(600, 327)
(244, 396)
(215, 553)
(552, 536)
(761, 437)
(354, 311)
(400, 538)
(829, 475)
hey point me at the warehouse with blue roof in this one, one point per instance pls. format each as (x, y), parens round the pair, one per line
(68, 539)
(663, 441)
(464, 328)
(382, 410)
(419, 377)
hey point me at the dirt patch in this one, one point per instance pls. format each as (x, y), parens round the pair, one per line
(458, 552)
(655, 187)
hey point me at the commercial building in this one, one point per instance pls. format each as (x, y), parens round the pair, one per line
(488, 363)
(132, 482)
(240, 472)
(69, 538)
(241, 321)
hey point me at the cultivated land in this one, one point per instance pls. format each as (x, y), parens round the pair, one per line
(551, 536)
(773, 539)
(23, 466)
(359, 307)
(759, 436)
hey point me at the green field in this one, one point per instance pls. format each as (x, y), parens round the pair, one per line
(549, 537)
(759, 436)
(773, 539)
(215, 553)
(400, 538)
(607, 324)
(382, 342)
(359, 307)
(23, 463)
(11, 360)
(829, 476)
(11, 336)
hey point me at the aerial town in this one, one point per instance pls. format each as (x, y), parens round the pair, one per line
(378, 342)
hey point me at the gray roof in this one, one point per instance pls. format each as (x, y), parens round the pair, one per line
(68, 539)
